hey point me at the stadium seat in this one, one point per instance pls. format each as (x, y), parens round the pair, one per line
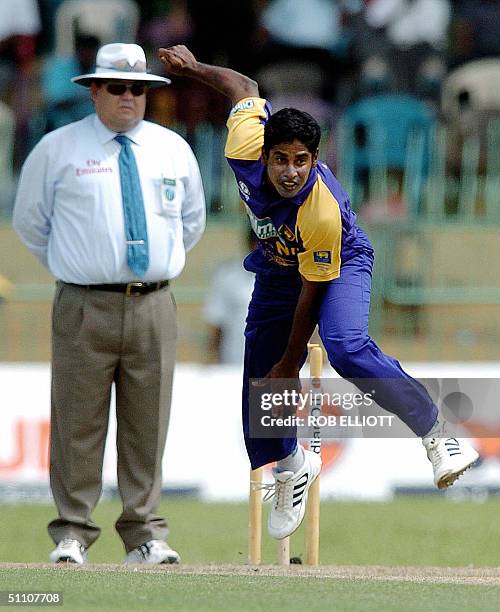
(384, 133)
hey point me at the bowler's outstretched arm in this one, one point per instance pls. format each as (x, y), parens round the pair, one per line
(179, 61)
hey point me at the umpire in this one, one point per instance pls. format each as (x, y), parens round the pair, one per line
(110, 205)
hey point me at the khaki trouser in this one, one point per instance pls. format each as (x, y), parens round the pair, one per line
(101, 337)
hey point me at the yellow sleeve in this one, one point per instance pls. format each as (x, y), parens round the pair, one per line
(246, 129)
(320, 226)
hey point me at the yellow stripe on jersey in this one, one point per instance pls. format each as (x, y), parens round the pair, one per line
(320, 226)
(246, 131)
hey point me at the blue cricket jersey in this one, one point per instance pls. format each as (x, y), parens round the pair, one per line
(311, 233)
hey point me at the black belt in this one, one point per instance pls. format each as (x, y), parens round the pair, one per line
(130, 289)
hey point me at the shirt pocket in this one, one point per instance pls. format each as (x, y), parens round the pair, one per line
(170, 195)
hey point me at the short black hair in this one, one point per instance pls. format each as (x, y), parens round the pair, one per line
(289, 124)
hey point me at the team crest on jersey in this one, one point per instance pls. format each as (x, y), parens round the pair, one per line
(287, 233)
(322, 257)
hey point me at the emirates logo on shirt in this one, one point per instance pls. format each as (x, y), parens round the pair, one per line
(93, 166)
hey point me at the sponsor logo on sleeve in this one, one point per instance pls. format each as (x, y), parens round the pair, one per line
(245, 192)
(243, 105)
(322, 257)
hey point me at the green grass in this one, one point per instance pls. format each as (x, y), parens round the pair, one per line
(403, 532)
(118, 591)
(433, 532)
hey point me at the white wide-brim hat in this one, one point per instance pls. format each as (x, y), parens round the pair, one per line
(120, 61)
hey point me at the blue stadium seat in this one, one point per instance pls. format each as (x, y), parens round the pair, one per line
(386, 132)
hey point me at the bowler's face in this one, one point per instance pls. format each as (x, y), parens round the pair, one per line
(288, 166)
(118, 113)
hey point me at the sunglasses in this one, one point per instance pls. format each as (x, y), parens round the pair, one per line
(118, 89)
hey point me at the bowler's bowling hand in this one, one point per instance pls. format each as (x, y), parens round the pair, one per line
(177, 60)
(284, 381)
(283, 370)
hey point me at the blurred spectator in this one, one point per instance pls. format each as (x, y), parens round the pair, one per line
(201, 26)
(224, 31)
(64, 101)
(305, 24)
(108, 20)
(48, 10)
(476, 30)
(226, 309)
(471, 110)
(400, 45)
(213, 39)
(306, 32)
(19, 25)
(7, 184)
(165, 23)
(169, 24)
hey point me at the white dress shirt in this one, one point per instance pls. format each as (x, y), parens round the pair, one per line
(69, 209)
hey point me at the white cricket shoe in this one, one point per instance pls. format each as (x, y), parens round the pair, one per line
(69, 551)
(450, 458)
(290, 496)
(152, 552)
